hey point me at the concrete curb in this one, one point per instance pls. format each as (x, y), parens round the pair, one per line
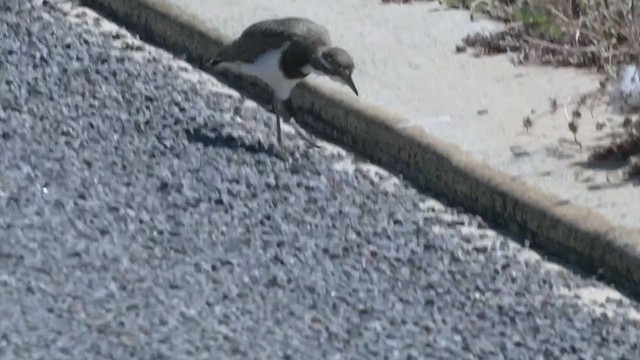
(576, 234)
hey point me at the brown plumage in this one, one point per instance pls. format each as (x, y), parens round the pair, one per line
(282, 52)
(305, 35)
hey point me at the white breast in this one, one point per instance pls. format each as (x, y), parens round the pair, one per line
(267, 68)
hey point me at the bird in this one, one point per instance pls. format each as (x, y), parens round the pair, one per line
(281, 52)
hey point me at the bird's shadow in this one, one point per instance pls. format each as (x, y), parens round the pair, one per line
(606, 165)
(216, 139)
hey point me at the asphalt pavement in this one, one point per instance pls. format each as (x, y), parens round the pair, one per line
(145, 214)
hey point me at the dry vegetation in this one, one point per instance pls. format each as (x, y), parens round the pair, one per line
(597, 34)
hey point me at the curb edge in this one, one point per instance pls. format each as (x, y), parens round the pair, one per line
(575, 233)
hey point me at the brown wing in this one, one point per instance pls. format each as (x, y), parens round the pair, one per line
(301, 28)
(268, 34)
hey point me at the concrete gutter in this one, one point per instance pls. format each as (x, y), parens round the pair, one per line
(574, 233)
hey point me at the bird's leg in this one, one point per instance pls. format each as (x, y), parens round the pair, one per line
(283, 112)
(288, 108)
(276, 111)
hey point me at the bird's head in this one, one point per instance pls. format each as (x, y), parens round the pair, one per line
(337, 64)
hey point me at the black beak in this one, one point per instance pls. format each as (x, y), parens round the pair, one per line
(213, 62)
(352, 85)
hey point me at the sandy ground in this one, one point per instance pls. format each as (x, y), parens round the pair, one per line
(406, 63)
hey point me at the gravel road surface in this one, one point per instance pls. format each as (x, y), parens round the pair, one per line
(140, 218)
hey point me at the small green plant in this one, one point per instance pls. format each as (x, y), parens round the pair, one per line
(597, 34)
